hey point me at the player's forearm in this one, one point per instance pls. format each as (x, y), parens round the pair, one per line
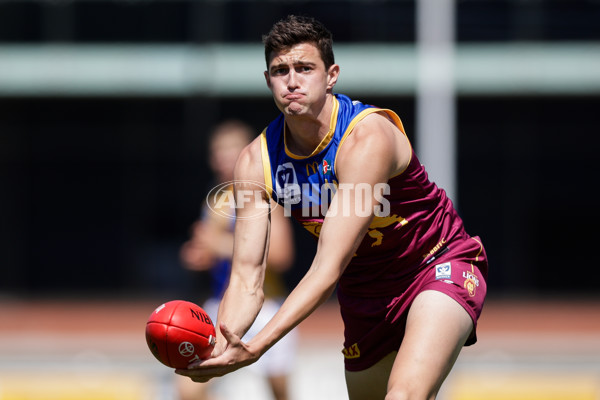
(240, 305)
(312, 291)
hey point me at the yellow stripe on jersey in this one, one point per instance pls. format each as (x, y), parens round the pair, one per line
(360, 116)
(266, 162)
(478, 253)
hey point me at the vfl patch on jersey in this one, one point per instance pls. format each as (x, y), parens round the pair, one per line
(286, 183)
(443, 271)
(352, 351)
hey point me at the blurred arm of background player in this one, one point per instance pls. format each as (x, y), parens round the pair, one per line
(212, 239)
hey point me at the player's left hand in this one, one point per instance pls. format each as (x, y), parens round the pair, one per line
(237, 354)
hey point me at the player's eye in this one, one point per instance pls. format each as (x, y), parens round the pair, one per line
(279, 71)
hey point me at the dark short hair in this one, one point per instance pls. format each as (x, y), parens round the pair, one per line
(294, 30)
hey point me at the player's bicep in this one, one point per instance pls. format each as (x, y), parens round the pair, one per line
(363, 169)
(343, 230)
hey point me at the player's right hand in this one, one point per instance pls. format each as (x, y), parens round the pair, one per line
(234, 355)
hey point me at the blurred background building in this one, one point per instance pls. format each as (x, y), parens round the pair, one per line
(105, 106)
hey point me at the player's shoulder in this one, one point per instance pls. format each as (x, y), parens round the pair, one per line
(374, 132)
(375, 137)
(375, 125)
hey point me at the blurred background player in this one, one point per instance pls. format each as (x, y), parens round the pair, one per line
(210, 249)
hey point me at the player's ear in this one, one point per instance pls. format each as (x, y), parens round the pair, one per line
(332, 76)
(267, 79)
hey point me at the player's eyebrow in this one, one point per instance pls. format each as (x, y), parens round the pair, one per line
(276, 66)
(295, 63)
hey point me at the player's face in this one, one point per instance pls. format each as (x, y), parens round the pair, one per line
(299, 81)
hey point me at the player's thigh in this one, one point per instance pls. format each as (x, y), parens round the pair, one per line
(371, 383)
(436, 329)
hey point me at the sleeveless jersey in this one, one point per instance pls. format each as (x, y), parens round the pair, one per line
(419, 223)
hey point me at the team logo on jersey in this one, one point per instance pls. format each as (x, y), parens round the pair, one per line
(443, 271)
(326, 167)
(352, 351)
(383, 222)
(314, 227)
(286, 183)
(471, 282)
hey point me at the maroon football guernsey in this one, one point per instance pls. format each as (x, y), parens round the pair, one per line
(418, 243)
(420, 220)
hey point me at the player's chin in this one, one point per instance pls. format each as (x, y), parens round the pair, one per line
(294, 109)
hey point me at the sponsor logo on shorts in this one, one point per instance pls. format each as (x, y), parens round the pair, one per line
(352, 351)
(443, 271)
(471, 282)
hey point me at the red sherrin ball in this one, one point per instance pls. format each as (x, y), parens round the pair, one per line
(180, 332)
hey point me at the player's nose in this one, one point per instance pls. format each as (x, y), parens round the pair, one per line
(293, 82)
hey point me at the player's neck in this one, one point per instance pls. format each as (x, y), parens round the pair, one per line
(305, 133)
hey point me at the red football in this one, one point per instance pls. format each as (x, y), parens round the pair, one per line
(180, 332)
